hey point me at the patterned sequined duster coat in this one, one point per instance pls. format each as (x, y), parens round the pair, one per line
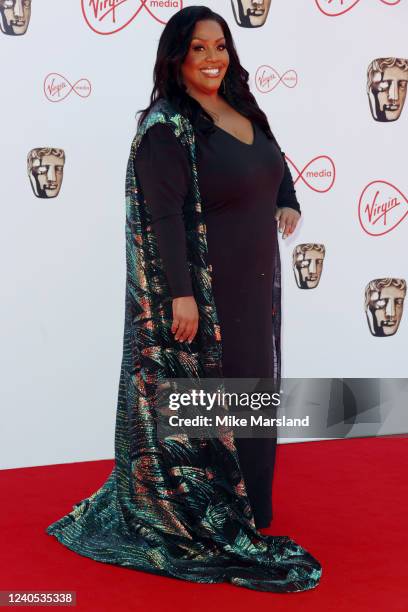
(175, 506)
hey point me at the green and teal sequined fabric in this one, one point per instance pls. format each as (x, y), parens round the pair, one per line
(175, 506)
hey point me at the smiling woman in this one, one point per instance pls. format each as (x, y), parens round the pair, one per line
(207, 57)
(206, 181)
(203, 71)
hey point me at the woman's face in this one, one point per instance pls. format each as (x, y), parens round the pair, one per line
(207, 59)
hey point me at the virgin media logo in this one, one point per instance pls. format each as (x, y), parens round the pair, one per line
(57, 87)
(381, 207)
(334, 8)
(267, 78)
(111, 16)
(319, 174)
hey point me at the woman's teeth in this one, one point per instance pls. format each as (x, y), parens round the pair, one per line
(211, 71)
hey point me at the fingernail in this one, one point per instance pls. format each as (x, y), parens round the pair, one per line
(280, 229)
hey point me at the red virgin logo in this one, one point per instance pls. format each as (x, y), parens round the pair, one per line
(111, 16)
(381, 208)
(334, 8)
(57, 87)
(267, 78)
(319, 174)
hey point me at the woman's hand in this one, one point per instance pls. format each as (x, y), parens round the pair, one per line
(287, 220)
(185, 318)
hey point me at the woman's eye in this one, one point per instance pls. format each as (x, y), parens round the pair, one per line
(196, 47)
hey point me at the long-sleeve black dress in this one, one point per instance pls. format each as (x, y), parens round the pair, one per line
(241, 185)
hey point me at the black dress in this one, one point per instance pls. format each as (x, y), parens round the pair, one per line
(240, 185)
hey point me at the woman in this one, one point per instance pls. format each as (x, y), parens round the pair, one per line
(240, 176)
(179, 506)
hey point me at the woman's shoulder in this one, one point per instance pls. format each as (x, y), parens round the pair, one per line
(162, 105)
(160, 134)
(163, 112)
(158, 145)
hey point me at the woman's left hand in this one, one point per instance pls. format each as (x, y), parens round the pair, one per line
(287, 220)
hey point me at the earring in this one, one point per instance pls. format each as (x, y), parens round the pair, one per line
(223, 86)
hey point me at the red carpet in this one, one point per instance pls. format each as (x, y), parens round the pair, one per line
(343, 500)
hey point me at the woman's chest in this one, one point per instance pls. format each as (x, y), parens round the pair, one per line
(230, 170)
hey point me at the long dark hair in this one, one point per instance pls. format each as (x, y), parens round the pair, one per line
(173, 47)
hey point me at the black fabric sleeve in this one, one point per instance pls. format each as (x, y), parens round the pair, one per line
(287, 193)
(162, 167)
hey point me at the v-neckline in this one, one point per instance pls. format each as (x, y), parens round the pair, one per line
(246, 144)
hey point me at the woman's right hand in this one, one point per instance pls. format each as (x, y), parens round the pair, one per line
(185, 318)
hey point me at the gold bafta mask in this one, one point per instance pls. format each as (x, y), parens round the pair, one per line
(250, 13)
(45, 167)
(307, 262)
(384, 303)
(15, 16)
(387, 79)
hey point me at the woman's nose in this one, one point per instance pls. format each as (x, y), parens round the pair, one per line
(211, 54)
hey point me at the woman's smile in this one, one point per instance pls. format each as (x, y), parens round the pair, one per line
(211, 72)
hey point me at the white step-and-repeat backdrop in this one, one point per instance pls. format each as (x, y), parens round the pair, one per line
(332, 77)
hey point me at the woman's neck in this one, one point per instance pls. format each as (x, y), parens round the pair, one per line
(214, 104)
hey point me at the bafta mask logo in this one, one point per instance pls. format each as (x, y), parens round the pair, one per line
(250, 13)
(387, 79)
(384, 303)
(15, 16)
(308, 264)
(45, 169)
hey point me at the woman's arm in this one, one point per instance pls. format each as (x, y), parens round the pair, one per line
(287, 193)
(162, 167)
